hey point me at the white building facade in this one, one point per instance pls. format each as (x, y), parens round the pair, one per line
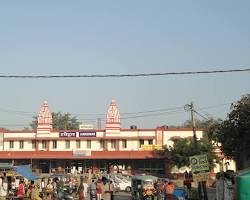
(49, 150)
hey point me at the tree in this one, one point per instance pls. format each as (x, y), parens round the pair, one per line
(234, 132)
(60, 122)
(183, 148)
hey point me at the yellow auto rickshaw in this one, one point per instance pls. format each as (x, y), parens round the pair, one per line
(143, 187)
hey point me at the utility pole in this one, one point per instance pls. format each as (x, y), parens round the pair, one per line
(201, 185)
(193, 124)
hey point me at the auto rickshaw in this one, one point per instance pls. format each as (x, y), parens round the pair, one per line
(143, 187)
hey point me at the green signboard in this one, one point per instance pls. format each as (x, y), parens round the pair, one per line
(200, 167)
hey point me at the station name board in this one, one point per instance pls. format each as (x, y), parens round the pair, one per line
(81, 153)
(77, 134)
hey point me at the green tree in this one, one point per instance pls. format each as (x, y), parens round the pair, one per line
(60, 122)
(234, 132)
(183, 148)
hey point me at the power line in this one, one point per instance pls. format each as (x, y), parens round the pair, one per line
(155, 114)
(126, 114)
(142, 116)
(124, 75)
(215, 106)
(18, 112)
(201, 115)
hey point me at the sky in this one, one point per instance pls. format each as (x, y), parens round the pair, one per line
(79, 37)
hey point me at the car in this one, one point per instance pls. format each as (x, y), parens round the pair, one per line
(123, 184)
(120, 182)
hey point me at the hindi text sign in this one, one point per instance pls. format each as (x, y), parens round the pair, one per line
(200, 167)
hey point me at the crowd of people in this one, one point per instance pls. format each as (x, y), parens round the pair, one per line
(165, 190)
(56, 188)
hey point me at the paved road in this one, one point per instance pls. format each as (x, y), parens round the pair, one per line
(122, 196)
(211, 193)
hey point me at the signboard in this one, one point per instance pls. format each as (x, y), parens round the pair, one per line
(151, 147)
(87, 134)
(77, 134)
(67, 134)
(200, 167)
(81, 153)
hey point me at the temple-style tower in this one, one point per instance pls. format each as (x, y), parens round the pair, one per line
(113, 121)
(44, 119)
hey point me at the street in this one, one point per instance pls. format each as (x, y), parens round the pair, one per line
(126, 196)
(122, 196)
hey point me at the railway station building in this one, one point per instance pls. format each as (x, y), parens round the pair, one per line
(125, 149)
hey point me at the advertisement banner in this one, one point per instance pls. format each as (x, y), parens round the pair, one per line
(200, 167)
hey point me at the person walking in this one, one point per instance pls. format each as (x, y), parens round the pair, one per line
(99, 189)
(219, 185)
(92, 190)
(106, 195)
(3, 189)
(169, 188)
(35, 192)
(111, 189)
(21, 190)
(80, 191)
(224, 186)
(85, 189)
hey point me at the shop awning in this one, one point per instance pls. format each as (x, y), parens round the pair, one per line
(25, 171)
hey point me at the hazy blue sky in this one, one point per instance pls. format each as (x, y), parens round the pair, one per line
(114, 37)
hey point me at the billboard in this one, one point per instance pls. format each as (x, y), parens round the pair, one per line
(200, 167)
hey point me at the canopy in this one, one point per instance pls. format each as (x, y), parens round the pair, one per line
(25, 171)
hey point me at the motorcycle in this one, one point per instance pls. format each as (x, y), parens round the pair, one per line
(93, 195)
(65, 194)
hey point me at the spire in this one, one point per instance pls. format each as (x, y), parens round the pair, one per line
(44, 119)
(113, 116)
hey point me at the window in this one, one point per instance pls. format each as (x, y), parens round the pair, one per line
(150, 141)
(44, 144)
(54, 145)
(78, 144)
(33, 144)
(102, 144)
(124, 144)
(67, 144)
(113, 144)
(21, 144)
(141, 142)
(88, 144)
(11, 144)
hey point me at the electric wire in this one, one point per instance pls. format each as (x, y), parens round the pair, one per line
(125, 75)
(130, 115)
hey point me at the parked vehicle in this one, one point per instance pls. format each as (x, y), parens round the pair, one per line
(143, 187)
(93, 195)
(66, 194)
(123, 184)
